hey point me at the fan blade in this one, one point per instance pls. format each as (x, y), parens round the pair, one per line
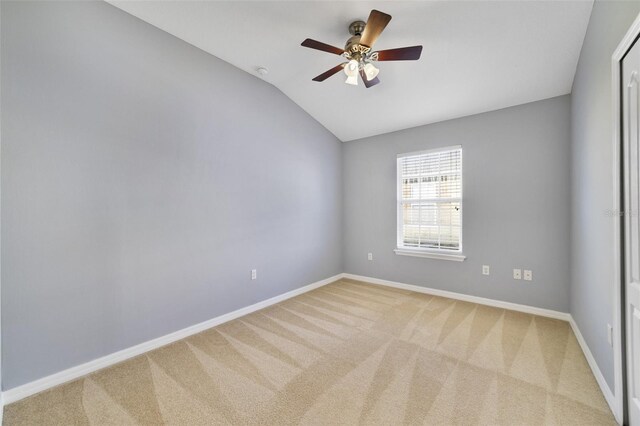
(375, 25)
(313, 44)
(325, 75)
(400, 54)
(368, 83)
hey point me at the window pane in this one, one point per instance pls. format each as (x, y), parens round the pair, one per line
(431, 225)
(429, 176)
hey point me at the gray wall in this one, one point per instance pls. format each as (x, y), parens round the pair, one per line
(592, 179)
(142, 180)
(515, 213)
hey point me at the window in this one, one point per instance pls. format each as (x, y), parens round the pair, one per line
(430, 204)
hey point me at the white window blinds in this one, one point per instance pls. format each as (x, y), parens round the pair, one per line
(430, 200)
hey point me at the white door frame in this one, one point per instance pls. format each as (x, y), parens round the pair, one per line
(616, 69)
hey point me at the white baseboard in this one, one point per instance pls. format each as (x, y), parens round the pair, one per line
(28, 389)
(604, 387)
(465, 297)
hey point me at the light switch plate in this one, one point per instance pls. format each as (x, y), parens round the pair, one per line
(486, 270)
(528, 275)
(517, 274)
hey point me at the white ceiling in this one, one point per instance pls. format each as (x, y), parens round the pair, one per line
(478, 56)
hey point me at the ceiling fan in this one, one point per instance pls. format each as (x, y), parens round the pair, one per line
(359, 54)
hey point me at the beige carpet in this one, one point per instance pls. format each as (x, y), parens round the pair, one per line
(347, 353)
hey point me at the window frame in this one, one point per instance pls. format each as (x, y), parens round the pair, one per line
(432, 253)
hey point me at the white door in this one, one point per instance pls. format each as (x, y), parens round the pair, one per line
(631, 140)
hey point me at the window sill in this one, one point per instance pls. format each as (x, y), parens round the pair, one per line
(430, 254)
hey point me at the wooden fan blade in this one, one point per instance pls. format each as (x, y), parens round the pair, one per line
(400, 54)
(325, 75)
(313, 44)
(375, 25)
(368, 83)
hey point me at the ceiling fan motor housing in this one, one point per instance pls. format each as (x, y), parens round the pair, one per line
(353, 47)
(352, 44)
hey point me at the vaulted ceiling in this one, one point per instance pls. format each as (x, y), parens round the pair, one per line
(478, 56)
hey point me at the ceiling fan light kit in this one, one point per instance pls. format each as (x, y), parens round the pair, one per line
(358, 51)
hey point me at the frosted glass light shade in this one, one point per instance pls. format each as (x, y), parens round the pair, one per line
(352, 79)
(351, 69)
(370, 71)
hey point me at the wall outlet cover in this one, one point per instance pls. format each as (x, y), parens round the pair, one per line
(517, 274)
(254, 274)
(486, 270)
(370, 256)
(528, 275)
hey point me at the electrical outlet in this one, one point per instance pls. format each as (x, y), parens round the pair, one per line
(486, 270)
(517, 274)
(528, 275)
(610, 334)
(254, 274)
(370, 256)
